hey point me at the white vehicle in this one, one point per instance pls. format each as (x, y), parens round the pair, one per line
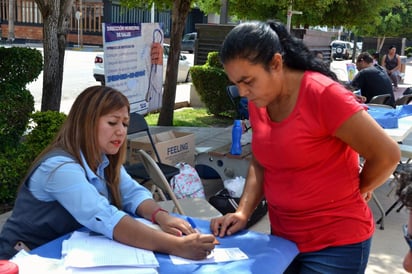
(183, 74)
(341, 50)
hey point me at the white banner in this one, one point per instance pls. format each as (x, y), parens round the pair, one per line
(133, 63)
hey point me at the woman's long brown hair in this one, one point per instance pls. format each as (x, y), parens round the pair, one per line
(79, 134)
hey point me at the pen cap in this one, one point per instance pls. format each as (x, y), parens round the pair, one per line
(7, 267)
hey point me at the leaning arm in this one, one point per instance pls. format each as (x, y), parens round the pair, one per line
(380, 152)
(253, 190)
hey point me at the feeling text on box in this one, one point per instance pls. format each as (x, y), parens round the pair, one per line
(173, 147)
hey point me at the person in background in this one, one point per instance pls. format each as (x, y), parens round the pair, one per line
(392, 64)
(308, 133)
(372, 79)
(318, 54)
(79, 180)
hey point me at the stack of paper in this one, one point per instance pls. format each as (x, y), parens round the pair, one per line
(84, 252)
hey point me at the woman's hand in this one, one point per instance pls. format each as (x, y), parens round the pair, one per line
(195, 246)
(367, 196)
(174, 225)
(407, 262)
(228, 224)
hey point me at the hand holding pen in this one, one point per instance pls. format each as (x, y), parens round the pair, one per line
(193, 224)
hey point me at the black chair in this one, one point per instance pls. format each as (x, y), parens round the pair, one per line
(383, 99)
(404, 100)
(239, 102)
(138, 124)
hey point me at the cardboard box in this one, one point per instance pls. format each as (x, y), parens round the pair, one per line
(173, 147)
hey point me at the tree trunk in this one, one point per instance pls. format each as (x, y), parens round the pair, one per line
(12, 12)
(55, 26)
(380, 41)
(180, 11)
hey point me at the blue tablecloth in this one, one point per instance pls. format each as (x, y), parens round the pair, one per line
(388, 117)
(267, 254)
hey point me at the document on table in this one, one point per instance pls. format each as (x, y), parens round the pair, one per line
(84, 250)
(218, 255)
(29, 264)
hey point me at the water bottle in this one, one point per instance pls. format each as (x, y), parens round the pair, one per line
(237, 130)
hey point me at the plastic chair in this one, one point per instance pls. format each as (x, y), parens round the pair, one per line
(239, 102)
(138, 124)
(404, 100)
(379, 106)
(195, 207)
(380, 99)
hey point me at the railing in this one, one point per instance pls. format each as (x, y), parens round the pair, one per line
(27, 12)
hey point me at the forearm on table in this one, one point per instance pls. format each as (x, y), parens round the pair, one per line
(253, 190)
(375, 174)
(134, 233)
(147, 208)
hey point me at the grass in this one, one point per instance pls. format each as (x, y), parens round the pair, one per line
(192, 117)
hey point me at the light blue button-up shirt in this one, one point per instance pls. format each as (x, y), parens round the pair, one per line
(84, 194)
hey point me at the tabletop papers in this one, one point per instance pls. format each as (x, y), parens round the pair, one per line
(87, 250)
(218, 255)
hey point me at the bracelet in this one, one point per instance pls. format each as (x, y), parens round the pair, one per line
(155, 213)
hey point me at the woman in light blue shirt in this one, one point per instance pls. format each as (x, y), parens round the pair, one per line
(79, 180)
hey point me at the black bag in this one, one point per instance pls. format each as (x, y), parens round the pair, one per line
(407, 91)
(223, 202)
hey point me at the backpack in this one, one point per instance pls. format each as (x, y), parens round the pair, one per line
(187, 183)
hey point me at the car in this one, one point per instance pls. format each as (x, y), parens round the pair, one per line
(188, 42)
(342, 50)
(183, 74)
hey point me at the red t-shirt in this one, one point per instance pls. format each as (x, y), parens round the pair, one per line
(311, 178)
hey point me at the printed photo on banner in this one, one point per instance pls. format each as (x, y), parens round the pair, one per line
(133, 55)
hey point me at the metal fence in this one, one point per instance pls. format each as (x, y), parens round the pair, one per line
(27, 12)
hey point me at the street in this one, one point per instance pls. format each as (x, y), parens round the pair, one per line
(78, 75)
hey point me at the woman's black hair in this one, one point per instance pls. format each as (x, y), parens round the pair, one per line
(259, 41)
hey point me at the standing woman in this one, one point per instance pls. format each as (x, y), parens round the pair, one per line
(79, 180)
(308, 133)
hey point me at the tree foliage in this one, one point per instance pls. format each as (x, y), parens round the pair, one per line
(347, 13)
(394, 21)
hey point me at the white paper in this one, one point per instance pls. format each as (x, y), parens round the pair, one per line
(84, 250)
(112, 270)
(218, 255)
(29, 264)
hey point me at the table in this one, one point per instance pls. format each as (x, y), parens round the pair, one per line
(228, 166)
(398, 134)
(267, 254)
(402, 131)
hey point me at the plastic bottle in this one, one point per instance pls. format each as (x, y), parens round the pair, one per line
(237, 131)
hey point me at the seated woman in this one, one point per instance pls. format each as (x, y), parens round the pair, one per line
(79, 180)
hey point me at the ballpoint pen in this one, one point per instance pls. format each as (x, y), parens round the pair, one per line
(193, 225)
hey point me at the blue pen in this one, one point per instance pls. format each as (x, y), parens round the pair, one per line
(191, 222)
(193, 225)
